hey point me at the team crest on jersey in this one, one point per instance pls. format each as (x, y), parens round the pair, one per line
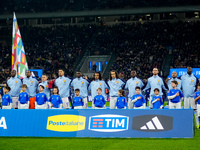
(15, 81)
(79, 99)
(192, 80)
(46, 86)
(137, 82)
(158, 80)
(24, 95)
(82, 82)
(117, 82)
(57, 97)
(6, 97)
(100, 98)
(178, 82)
(100, 83)
(31, 81)
(64, 80)
(42, 95)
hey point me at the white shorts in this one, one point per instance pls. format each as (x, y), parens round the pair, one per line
(6, 107)
(175, 105)
(141, 107)
(65, 101)
(113, 101)
(198, 110)
(44, 106)
(130, 104)
(15, 102)
(23, 106)
(78, 107)
(189, 102)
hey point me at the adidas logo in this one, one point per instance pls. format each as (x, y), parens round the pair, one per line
(153, 125)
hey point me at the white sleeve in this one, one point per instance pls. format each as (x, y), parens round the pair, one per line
(60, 106)
(154, 101)
(134, 100)
(171, 97)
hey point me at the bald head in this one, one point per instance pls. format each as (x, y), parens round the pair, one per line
(174, 74)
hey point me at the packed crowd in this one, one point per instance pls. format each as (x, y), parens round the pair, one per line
(8, 6)
(137, 46)
(49, 48)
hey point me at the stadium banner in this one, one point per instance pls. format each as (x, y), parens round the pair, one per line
(182, 71)
(97, 123)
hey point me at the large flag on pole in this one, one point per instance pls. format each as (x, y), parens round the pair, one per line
(19, 62)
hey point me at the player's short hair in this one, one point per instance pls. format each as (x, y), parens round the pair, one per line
(99, 89)
(24, 86)
(61, 69)
(198, 84)
(137, 87)
(156, 89)
(122, 92)
(77, 90)
(4, 82)
(41, 86)
(175, 82)
(44, 74)
(56, 87)
(7, 88)
(100, 78)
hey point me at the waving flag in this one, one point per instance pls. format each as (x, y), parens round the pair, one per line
(19, 62)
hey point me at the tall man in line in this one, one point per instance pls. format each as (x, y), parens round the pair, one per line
(82, 84)
(45, 84)
(155, 82)
(174, 78)
(63, 84)
(189, 83)
(97, 83)
(131, 84)
(15, 84)
(32, 85)
(115, 85)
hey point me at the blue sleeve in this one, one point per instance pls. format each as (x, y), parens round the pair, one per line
(104, 101)
(161, 101)
(50, 99)
(195, 95)
(144, 101)
(94, 100)
(36, 99)
(116, 102)
(169, 93)
(181, 94)
(10, 99)
(60, 100)
(125, 102)
(28, 97)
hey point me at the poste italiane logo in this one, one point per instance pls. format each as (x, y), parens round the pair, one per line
(66, 123)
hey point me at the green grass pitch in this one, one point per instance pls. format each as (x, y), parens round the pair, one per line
(40, 143)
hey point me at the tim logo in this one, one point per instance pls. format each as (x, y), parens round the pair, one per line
(152, 123)
(108, 123)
